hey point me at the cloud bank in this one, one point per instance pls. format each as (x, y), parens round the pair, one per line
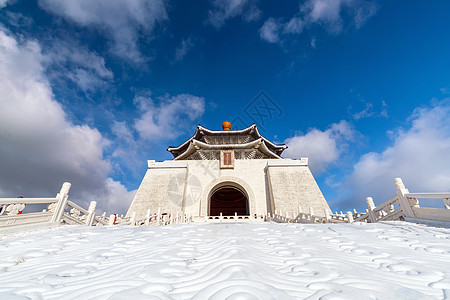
(419, 155)
(85, 68)
(122, 20)
(40, 148)
(323, 148)
(324, 13)
(167, 117)
(223, 10)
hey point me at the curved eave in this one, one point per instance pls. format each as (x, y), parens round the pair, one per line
(170, 149)
(274, 149)
(202, 131)
(197, 145)
(279, 148)
(276, 146)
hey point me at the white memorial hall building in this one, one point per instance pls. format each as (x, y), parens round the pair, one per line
(228, 172)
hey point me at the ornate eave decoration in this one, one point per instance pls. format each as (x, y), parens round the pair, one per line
(206, 140)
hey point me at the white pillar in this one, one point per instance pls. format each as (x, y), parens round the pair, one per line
(91, 213)
(447, 203)
(111, 219)
(327, 216)
(371, 206)
(133, 218)
(147, 217)
(350, 217)
(402, 199)
(61, 205)
(311, 214)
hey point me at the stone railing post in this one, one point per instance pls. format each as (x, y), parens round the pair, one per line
(327, 216)
(350, 217)
(371, 206)
(147, 217)
(91, 213)
(311, 214)
(158, 217)
(447, 203)
(61, 205)
(111, 220)
(133, 218)
(402, 199)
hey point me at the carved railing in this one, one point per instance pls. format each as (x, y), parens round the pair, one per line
(302, 217)
(233, 218)
(59, 210)
(158, 219)
(406, 204)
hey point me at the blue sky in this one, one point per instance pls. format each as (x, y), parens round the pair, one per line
(92, 89)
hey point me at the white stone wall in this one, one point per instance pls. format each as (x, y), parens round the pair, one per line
(163, 186)
(294, 188)
(185, 186)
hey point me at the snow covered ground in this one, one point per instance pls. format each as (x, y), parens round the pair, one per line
(395, 260)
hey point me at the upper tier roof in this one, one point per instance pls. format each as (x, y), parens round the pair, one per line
(248, 138)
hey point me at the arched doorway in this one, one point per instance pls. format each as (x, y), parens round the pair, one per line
(228, 200)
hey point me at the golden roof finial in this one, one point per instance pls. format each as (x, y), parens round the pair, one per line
(226, 126)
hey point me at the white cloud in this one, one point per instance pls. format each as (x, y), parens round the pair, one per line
(326, 13)
(3, 3)
(322, 147)
(445, 90)
(122, 131)
(323, 11)
(384, 112)
(117, 197)
(183, 49)
(122, 20)
(270, 31)
(66, 59)
(16, 19)
(273, 29)
(39, 147)
(295, 25)
(128, 149)
(226, 9)
(365, 113)
(370, 111)
(168, 117)
(420, 155)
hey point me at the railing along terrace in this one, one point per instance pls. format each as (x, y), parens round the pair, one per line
(303, 217)
(234, 218)
(13, 212)
(61, 210)
(152, 219)
(406, 204)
